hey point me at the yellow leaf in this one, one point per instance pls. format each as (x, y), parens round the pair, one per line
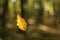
(21, 23)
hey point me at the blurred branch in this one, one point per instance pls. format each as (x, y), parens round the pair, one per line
(49, 30)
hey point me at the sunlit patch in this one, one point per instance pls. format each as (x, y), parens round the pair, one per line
(43, 27)
(21, 23)
(31, 21)
(36, 6)
(13, 0)
(48, 7)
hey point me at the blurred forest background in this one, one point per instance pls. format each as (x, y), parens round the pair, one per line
(42, 17)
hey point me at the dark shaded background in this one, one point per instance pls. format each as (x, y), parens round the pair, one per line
(35, 16)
